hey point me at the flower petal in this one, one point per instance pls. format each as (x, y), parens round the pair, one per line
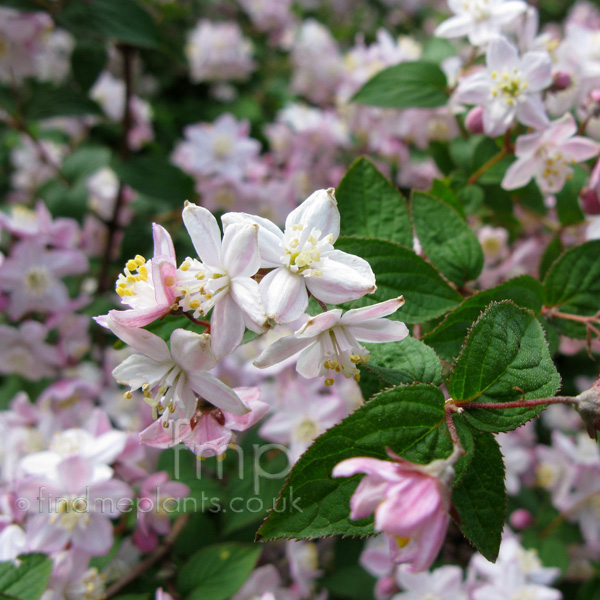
(284, 295)
(280, 350)
(143, 341)
(319, 323)
(246, 294)
(381, 309)
(240, 250)
(192, 351)
(204, 232)
(319, 210)
(310, 360)
(163, 244)
(379, 331)
(520, 173)
(217, 393)
(227, 327)
(345, 277)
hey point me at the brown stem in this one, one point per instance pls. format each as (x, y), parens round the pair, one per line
(518, 403)
(150, 560)
(113, 225)
(488, 165)
(197, 321)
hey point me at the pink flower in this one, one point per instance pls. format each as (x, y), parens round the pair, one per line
(148, 287)
(548, 155)
(410, 502)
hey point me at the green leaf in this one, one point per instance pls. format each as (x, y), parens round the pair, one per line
(553, 250)
(87, 62)
(480, 498)
(28, 581)
(572, 286)
(157, 178)
(417, 84)
(407, 361)
(49, 101)
(312, 504)
(567, 200)
(446, 239)
(217, 572)
(400, 271)
(442, 190)
(121, 20)
(505, 350)
(371, 206)
(350, 582)
(484, 151)
(85, 161)
(447, 339)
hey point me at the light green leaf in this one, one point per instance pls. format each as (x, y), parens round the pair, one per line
(27, 581)
(407, 419)
(447, 339)
(400, 271)
(371, 206)
(572, 285)
(505, 358)
(446, 239)
(480, 498)
(217, 572)
(416, 84)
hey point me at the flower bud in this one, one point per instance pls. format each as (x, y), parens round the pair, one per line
(474, 120)
(520, 519)
(588, 407)
(561, 81)
(590, 203)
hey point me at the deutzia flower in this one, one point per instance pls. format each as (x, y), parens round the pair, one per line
(222, 281)
(330, 342)
(479, 19)
(173, 378)
(303, 259)
(509, 88)
(548, 155)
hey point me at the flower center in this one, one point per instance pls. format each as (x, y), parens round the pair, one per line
(303, 250)
(556, 168)
(306, 430)
(37, 280)
(510, 86)
(341, 353)
(222, 145)
(203, 287)
(135, 271)
(70, 511)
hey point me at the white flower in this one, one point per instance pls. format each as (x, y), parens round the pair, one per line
(330, 342)
(222, 281)
(479, 19)
(176, 377)
(303, 258)
(508, 88)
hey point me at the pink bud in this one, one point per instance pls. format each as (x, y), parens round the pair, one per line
(595, 96)
(385, 588)
(520, 519)
(474, 120)
(590, 203)
(562, 81)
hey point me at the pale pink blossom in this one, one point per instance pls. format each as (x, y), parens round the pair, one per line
(480, 20)
(329, 343)
(173, 378)
(548, 156)
(218, 52)
(508, 88)
(410, 502)
(445, 583)
(303, 259)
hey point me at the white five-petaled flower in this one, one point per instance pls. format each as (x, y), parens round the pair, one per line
(329, 343)
(548, 156)
(303, 258)
(479, 19)
(508, 88)
(222, 281)
(173, 378)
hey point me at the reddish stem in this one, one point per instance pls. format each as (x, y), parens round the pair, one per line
(518, 403)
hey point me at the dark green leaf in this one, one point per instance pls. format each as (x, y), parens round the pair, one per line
(217, 572)
(85, 161)
(447, 339)
(480, 498)
(87, 61)
(371, 206)
(350, 582)
(446, 239)
(27, 581)
(400, 271)
(156, 177)
(407, 85)
(407, 361)
(572, 286)
(406, 419)
(121, 20)
(442, 190)
(505, 357)
(567, 200)
(51, 101)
